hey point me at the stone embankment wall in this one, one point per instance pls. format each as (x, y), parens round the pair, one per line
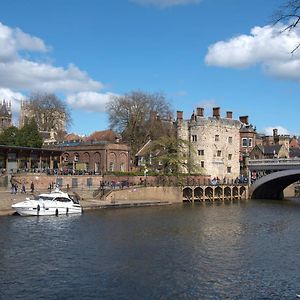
(162, 194)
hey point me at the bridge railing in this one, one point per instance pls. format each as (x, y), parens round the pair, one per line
(273, 161)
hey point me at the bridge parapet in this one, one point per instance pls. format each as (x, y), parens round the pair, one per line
(274, 164)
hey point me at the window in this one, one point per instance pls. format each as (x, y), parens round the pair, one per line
(201, 152)
(230, 140)
(249, 142)
(244, 142)
(89, 181)
(228, 169)
(217, 138)
(229, 156)
(111, 166)
(74, 182)
(202, 164)
(194, 138)
(61, 199)
(219, 153)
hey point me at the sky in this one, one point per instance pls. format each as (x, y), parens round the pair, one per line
(199, 53)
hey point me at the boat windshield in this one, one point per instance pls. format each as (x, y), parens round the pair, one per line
(45, 198)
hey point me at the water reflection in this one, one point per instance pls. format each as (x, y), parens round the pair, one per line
(241, 250)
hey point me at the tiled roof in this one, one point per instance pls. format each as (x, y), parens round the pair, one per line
(271, 149)
(72, 137)
(104, 135)
(294, 152)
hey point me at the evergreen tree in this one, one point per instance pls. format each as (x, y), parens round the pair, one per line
(29, 136)
(9, 136)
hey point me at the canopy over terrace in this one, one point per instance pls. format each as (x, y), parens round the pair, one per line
(15, 158)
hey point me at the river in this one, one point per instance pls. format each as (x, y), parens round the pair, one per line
(241, 250)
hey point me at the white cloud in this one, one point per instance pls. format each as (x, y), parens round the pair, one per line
(281, 130)
(19, 73)
(14, 40)
(29, 75)
(165, 3)
(269, 46)
(90, 101)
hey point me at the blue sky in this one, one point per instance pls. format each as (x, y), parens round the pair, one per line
(198, 52)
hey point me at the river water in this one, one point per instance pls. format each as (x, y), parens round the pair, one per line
(241, 250)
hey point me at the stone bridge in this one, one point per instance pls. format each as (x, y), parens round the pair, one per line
(271, 186)
(214, 193)
(274, 164)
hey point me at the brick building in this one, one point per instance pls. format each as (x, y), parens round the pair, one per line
(98, 153)
(96, 157)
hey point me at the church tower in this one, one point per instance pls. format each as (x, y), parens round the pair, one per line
(5, 115)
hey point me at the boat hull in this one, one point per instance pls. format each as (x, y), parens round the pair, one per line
(41, 210)
(55, 211)
(50, 204)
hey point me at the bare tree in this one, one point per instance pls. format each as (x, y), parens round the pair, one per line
(131, 115)
(289, 13)
(49, 112)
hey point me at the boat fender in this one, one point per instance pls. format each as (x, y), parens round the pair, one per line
(56, 212)
(67, 211)
(38, 208)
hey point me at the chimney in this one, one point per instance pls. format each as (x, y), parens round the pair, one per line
(200, 112)
(179, 115)
(216, 112)
(229, 114)
(244, 119)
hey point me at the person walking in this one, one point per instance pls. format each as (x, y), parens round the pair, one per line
(32, 187)
(23, 190)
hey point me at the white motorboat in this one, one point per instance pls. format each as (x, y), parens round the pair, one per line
(55, 203)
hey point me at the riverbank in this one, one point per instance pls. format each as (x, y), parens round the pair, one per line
(132, 197)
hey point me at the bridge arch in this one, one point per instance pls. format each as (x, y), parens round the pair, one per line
(271, 186)
(198, 193)
(187, 194)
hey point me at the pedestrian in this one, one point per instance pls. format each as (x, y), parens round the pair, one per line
(32, 187)
(16, 188)
(23, 188)
(68, 187)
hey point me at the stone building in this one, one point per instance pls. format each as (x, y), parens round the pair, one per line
(5, 115)
(215, 142)
(50, 134)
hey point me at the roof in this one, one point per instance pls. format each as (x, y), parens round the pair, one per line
(104, 135)
(145, 149)
(294, 152)
(271, 149)
(72, 137)
(294, 143)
